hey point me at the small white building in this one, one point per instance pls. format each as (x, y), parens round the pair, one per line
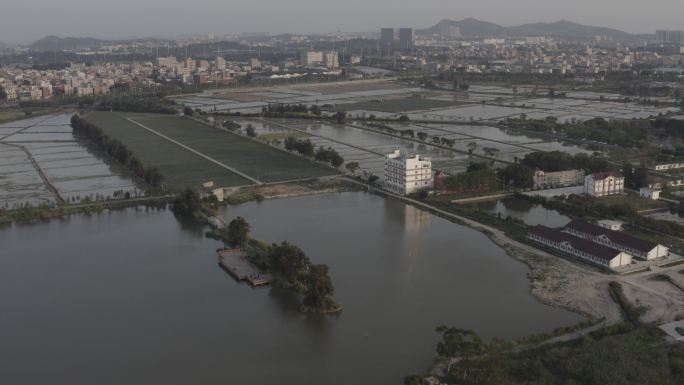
(610, 224)
(668, 166)
(649, 193)
(603, 184)
(406, 174)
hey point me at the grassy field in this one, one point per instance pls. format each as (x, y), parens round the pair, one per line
(397, 105)
(180, 167)
(183, 168)
(15, 113)
(635, 201)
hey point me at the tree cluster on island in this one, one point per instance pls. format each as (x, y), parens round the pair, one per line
(288, 264)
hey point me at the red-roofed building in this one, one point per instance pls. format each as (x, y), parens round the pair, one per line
(604, 183)
(617, 240)
(578, 247)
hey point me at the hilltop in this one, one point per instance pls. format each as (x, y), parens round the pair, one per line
(477, 28)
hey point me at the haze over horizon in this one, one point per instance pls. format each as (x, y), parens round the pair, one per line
(152, 18)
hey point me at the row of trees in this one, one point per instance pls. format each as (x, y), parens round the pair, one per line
(117, 150)
(328, 155)
(393, 131)
(559, 161)
(307, 149)
(135, 103)
(625, 133)
(301, 146)
(286, 108)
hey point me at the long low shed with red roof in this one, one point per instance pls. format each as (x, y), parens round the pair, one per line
(578, 247)
(617, 240)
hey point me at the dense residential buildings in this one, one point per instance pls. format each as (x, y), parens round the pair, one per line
(616, 239)
(406, 174)
(603, 184)
(584, 249)
(542, 180)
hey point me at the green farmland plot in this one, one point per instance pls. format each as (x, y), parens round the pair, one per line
(183, 168)
(180, 167)
(257, 160)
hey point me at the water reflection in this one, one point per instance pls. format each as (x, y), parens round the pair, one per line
(136, 284)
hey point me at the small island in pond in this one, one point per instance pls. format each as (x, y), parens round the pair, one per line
(283, 265)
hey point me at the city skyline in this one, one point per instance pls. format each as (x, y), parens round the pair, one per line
(178, 19)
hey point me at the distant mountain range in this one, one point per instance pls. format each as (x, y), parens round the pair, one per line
(55, 43)
(476, 28)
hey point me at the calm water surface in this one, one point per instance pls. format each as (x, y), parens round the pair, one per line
(531, 213)
(134, 297)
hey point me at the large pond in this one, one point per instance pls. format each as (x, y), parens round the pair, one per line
(531, 213)
(135, 297)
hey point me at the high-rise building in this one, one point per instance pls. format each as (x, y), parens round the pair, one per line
(407, 37)
(670, 36)
(387, 35)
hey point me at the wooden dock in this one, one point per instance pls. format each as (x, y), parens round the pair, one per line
(236, 264)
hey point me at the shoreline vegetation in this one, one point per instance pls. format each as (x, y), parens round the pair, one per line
(580, 354)
(290, 267)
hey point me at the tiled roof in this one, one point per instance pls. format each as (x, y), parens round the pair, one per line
(617, 237)
(580, 244)
(604, 175)
(586, 227)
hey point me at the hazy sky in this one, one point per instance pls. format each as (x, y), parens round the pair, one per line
(27, 20)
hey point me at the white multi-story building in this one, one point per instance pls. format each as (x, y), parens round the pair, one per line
(331, 59)
(556, 179)
(308, 58)
(220, 63)
(405, 174)
(604, 183)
